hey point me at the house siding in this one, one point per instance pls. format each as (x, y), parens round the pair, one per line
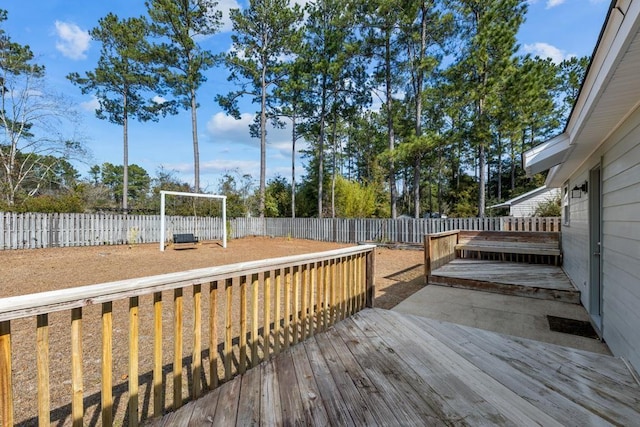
(620, 168)
(527, 207)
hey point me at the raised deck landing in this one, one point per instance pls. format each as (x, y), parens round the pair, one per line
(385, 368)
(510, 278)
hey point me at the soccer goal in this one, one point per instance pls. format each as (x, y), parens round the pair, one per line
(163, 195)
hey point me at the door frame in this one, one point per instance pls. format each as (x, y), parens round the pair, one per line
(596, 291)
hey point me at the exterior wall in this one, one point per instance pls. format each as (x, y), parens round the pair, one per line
(620, 168)
(527, 207)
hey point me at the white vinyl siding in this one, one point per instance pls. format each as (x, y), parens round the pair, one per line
(620, 238)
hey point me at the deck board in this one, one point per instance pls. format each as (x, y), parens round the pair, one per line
(381, 367)
(511, 278)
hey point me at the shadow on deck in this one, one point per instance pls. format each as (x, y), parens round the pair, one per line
(381, 367)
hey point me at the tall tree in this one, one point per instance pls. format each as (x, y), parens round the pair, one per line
(122, 81)
(425, 31)
(488, 31)
(33, 142)
(336, 77)
(181, 23)
(265, 33)
(382, 29)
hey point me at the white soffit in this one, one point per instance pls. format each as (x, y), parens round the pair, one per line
(546, 155)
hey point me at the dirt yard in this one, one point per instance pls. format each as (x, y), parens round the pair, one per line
(398, 275)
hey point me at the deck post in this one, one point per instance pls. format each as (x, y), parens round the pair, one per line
(370, 279)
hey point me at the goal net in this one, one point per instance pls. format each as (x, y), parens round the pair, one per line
(204, 228)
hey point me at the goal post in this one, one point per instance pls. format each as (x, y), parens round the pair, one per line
(164, 193)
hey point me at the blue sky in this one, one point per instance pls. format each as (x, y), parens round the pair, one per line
(56, 31)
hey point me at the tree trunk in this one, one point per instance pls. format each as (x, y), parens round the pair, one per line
(194, 135)
(293, 166)
(334, 131)
(499, 168)
(321, 144)
(393, 190)
(263, 141)
(125, 161)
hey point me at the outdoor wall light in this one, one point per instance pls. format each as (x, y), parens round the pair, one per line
(576, 192)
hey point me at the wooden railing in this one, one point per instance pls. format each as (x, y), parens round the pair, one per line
(439, 249)
(255, 310)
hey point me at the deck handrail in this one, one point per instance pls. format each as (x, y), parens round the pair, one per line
(310, 293)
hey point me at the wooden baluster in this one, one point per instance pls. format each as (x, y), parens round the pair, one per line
(344, 296)
(6, 389)
(287, 306)
(266, 329)
(313, 279)
(134, 322)
(42, 344)
(333, 314)
(296, 304)
(228, 337)
(177, 348)
(370, 278)
(107, 364)
(77, 410)
(243, 325)
(213, 334)
(255, 339)
(319, 296)
(325, 298)
(276, 318)
(196, 357)
(158, 398)
(305, 300)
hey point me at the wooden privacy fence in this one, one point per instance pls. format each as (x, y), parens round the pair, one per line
(35, 230)
(253, 311)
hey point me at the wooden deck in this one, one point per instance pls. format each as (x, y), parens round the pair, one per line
(385, 368)
(511, 278)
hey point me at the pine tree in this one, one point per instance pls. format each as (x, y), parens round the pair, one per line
(180, 23)
(264, 34)
(122, 81)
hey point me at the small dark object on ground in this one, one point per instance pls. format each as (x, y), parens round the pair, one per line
(184, 241)
(571, 326)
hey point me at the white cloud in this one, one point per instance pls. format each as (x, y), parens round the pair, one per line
(92, 105)
(72, 41)
(158, 99)
(224, 6)
(554, 3)
(545, 50)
